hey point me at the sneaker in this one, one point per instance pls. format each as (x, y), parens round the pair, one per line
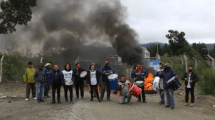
(41, 100)
(167, 106)
(144, 102)
(26, 99)
(192, 105)
(161, 103)
(35, 98)
(91, 99)
(185, 104)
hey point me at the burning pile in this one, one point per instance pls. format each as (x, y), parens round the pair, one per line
(148, 85)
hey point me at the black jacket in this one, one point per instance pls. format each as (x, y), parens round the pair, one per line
(98, 74)
(193, 77)
(76, 74)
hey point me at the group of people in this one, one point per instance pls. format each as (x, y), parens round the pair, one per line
(45, 78)
(165, 73)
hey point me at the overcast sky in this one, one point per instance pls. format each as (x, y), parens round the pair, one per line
(153, 18)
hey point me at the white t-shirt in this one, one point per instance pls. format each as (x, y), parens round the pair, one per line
(188, 84)
(93, 77)
(68, 77)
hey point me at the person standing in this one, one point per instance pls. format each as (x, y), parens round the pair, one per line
(48, 72)
(79, 82)
(190, 79)
(56, 82)
(106, 70)
(161, 91)
(40, 78)
(29, 81)
(68, 82)
(138, 75)
(167, 74)
(93, 81)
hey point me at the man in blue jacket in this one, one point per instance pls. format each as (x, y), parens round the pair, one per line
(56, 82)
(167, 74)
(138, 75)
(48, 72)
(106, 70)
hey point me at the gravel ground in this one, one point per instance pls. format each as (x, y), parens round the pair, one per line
(19, 109)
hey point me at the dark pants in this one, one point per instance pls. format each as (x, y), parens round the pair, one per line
(94, 87)
(143, 94)
(46, 90)
(54, 88)
(191, 90)
(81, 87)
(30, 87)
(107, 84)
(161, 92)
(66, 89)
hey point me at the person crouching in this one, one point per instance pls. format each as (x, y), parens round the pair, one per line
(123, 90)
(56, 82)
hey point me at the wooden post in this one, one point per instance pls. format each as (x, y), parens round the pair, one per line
(195, 62)
(212, 65)
(1, 64)
(41, 60)
(185, 59)
(171, 63)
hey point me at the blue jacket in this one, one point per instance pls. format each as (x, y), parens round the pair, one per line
(48, 73)
(166, 75)
(139, 77)
(60, 81)
(103, 70)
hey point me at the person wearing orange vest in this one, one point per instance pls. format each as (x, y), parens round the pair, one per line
(123, 90)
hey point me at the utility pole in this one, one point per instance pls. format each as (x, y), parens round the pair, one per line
(1, 64)
(41, 60)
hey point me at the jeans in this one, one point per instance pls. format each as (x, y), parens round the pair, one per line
(30, 87)
(161, 92)
(40, 87)
(191, 90)
(46, 89)
(169, 96)
(107, 84)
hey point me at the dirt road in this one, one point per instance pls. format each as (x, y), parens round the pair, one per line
(19, 109)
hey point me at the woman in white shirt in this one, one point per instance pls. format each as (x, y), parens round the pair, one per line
(93, 81)
(68, 82)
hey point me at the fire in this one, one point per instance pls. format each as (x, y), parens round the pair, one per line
(148, 82)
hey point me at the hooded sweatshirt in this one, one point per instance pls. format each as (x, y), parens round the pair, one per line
(29, 75)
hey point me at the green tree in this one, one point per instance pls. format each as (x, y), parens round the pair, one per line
(201, 48)
(15, 12)
(177, 42)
